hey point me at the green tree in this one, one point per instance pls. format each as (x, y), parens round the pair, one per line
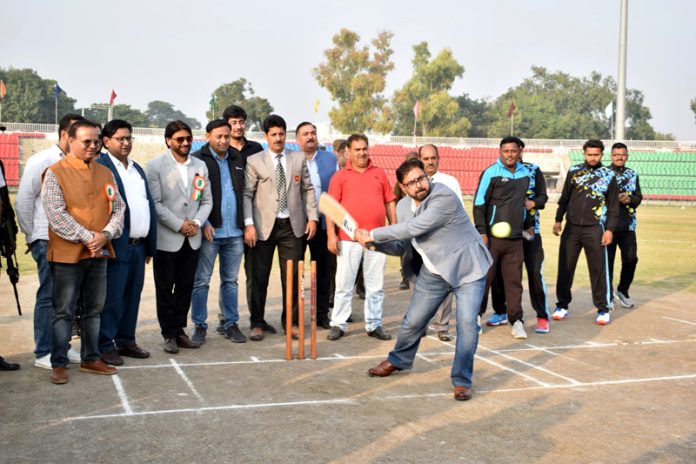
(241, 93)
(30, 98)
(355, 76)
(477, 112)
(160, 113)
(99, 112)
(693, 106)
(430, 84)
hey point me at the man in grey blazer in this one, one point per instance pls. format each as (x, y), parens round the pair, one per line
(454, 260)
(279, 209)
(181, 193)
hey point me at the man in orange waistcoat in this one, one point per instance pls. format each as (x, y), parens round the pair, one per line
(85, 212)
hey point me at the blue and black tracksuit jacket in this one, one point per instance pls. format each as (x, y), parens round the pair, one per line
(627, 181)
(590, 197)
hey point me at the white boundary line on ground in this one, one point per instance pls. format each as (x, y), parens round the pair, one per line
(122, 395)
(678, 320)
(182, 374)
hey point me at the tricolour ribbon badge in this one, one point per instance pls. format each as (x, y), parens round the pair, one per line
(198, 186)
(110, 190)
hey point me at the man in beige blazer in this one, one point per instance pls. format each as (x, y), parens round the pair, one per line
(279, 209)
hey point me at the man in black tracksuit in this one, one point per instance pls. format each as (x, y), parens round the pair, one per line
(590, 205)
(533, 256)
(500, 197)
(625, 233)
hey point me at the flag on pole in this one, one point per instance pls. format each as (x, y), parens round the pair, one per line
(113, 97)
(512, 109)
(609, 110)
(58, 91)
(416, 109)
(316, 106)
(3, 89)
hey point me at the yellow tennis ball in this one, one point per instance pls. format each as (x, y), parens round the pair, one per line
(501, 229)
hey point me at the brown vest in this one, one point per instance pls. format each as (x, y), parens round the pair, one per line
(84, 191)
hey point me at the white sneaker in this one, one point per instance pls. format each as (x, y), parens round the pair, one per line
(603, 318)
(518, 330)
(625, 300)
(74, 356)
(44, 362)
(559, 314)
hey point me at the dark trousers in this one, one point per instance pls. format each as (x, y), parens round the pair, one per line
(534, 263)
(86, 281)
(174, 273)
(124, 284)
(573, 240)
(320, 253)
(289, 247)
(508, 256)
(626, 241)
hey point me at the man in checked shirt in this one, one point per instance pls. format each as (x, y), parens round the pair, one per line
(85, 212)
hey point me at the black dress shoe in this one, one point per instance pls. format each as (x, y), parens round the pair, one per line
(324, 324)
(184, 342)
(7, 366)
(380, 334)
(170, 346)
(112, 357)
(133, 351)
(268, 328)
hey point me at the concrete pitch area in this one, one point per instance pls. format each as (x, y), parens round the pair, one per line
(582, 393)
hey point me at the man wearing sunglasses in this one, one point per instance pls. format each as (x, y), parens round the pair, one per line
(181, 192)
(85, 212)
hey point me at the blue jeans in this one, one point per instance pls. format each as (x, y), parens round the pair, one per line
(231, 250)
(43, 307)
(429, 293)
(86, 279)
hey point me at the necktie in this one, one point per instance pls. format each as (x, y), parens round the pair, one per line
(280, 185)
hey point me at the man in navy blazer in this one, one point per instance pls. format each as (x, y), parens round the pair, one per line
(136, 246)
(322, 165)
(454, 260)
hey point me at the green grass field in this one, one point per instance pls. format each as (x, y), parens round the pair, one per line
(666, 249)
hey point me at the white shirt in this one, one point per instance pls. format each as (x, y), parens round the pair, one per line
(136, 196)
(283, 161)
(183, 171)
(314, 175)
(426, 262)
(2, 180)
(28, 206)
(448, 181)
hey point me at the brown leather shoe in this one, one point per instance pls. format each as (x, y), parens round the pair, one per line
(256, 334)
(462, 393)
(444, 336)
(59, 375)
(183, 341)
(133, 351)
(383, 369)
(97, 367)
(112, 357)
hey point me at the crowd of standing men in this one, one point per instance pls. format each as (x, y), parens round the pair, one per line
(94, 218)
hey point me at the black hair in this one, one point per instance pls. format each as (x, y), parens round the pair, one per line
(619, 145)
(234, 111)
(593, 143)
(274, 121)
(175, 126)
(302, 124)
(67, 120)
(406, 167)
(82, 122)
(512, 139)
(355, 138)
(111, 127)
(215, 123)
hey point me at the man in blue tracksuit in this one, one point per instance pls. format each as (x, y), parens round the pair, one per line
(500, 197)
(630, 198)
(589, 202)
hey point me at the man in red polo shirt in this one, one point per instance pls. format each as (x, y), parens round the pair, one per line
(363, 190)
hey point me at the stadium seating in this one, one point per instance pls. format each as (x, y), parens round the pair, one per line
(9, 154)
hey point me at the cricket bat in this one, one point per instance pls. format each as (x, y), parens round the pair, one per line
(333, 210)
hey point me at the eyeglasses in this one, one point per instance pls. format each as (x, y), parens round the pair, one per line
(180, 140)
(89, 142)
(128, 139)
(418, 180)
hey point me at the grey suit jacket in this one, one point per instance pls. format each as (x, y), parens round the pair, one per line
(174, 201)
(261, 195)
(443, 232)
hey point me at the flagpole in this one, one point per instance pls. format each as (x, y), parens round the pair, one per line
(512, 123)
(55, 121)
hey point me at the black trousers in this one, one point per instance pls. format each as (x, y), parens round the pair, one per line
(289, 247)
(573, 240)
(534, 263)
(320, 253)
(174, 273)
(626, 241)
(508, 256)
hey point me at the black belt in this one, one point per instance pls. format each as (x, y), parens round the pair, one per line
(282, 220)
(136, 241)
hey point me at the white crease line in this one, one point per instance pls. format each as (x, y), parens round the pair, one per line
(122, 395)
(548, 351)
(678, 320)
(181, 372)
(215, 408)
(532, 366)
(425, 358)
(254, 358)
